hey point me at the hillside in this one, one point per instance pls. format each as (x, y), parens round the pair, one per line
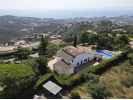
(116, 82)
(13, 27)
(119, 80)
(16, 81)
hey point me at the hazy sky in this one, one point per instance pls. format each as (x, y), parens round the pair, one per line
(65, 4)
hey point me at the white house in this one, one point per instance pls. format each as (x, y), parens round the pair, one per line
(69, 58)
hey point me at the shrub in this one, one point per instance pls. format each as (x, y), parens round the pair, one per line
(42, 79)
(128, 82)
(51, 50)
(90, 77)
(64, 80)
(75, 95)
(130, 57)
(100, 68)
(18, 80)
(23, 53)
(99, 91)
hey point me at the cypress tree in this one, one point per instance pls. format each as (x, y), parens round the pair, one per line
(75, 41)
(43, 45)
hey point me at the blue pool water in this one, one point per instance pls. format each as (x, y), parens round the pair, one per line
(104, 53)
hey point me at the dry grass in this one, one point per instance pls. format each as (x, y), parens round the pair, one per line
(83, 91)
(113, 80)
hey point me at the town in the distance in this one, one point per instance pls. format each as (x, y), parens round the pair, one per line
(74, 58)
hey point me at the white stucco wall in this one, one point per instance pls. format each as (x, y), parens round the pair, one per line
(52, 62)
(82, 57)
(64, 70)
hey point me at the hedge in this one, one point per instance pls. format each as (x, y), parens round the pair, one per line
(42, 79)
(103, 66)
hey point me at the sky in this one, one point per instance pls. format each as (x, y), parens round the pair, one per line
(71, 5)
(65, 4)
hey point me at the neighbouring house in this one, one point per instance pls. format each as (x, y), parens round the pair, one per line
(54, 37)
(7, 49)
(44, 34)
(119, 30)
(11, 43)
(70, 58)
(29, 38)
(57, 41)
(20, 42)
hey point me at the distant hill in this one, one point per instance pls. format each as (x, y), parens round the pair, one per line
(12, 27)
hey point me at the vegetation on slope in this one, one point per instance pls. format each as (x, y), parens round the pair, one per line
(117, 82)
(17, 81)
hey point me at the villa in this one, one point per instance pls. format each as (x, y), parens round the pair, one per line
(68, 59)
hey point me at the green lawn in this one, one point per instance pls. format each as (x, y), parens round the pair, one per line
(15, 70)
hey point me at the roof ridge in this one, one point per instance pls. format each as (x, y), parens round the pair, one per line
(65, 62)
(68, 53)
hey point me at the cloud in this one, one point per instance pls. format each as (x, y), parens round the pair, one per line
(65, 4)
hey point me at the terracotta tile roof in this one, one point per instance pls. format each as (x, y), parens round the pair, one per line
(69, 53)
(75, 51)
(64, 55)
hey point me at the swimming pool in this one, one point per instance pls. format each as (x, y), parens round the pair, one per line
(104, 54)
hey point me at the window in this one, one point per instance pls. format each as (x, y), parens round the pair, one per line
(72, 60)
(81, 62)
(88, 59)
(95, 58)
(85, 60)
(78, 64)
